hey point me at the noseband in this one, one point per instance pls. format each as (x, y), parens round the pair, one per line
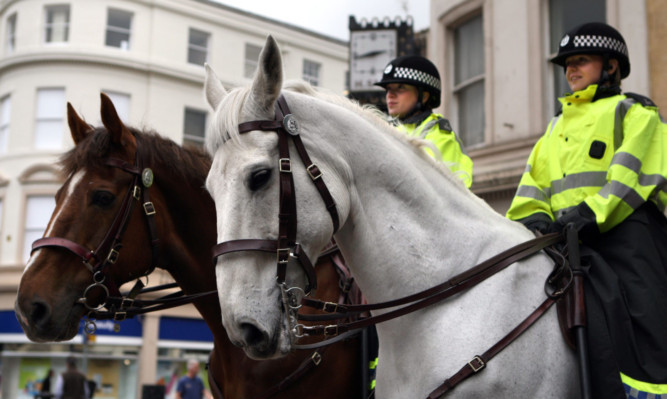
(99, 260)
(286, 247)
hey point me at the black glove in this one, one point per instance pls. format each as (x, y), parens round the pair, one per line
(584, 221)
(537, 222)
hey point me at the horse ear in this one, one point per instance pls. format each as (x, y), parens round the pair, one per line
(77, 126)
(269, 76)
(120, 134)
(213, 88)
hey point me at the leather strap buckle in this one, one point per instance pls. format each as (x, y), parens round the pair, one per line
(476, 364)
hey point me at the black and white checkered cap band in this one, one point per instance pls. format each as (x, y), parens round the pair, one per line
(417, 75)
(600, 41)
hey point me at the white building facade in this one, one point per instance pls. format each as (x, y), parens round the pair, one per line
(148, 56)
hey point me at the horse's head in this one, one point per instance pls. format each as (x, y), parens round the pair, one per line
(247, 181)
(79, 256)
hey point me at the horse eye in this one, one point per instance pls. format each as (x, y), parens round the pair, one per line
(103, 199)
(258, 179)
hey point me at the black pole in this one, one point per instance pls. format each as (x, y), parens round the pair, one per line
(579, 324)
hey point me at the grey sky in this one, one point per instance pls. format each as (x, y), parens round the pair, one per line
(330, 17)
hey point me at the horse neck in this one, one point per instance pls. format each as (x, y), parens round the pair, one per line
(187, 233)
(408, 221)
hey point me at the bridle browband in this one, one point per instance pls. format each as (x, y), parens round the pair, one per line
(285, 246)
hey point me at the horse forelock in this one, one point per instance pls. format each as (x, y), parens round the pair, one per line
(225, 124)
(92, 153)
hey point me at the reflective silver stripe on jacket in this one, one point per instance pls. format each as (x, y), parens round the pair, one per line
(533, 193)
(577, 180)
(621, 109)
(624, 192)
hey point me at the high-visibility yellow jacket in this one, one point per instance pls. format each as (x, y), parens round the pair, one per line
(610, 153)
(436, 129)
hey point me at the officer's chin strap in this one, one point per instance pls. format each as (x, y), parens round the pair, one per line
(604, 75)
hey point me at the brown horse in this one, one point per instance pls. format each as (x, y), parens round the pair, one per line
(100, 169)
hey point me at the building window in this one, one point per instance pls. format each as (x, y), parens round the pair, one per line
(311, 72)
(197, 47)
(38, 213)
(49, 120)
(561, 20)
(251, 59)
(5, 112)
(121, 102)
(10, 44)
(469, 80)
(194, 127)
(57, 24)
(119, 26)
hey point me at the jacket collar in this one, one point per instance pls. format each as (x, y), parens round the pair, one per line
(591, 93)
(416, 118)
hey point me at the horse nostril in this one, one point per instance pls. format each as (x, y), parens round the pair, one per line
(252, 335)
(39, 312)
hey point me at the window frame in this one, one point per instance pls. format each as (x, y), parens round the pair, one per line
(195, 140)
(46, 116)
(250, 63)
(48, 26)
(26, 241)
(5, 101)
(458, 89)
(308, 65)
(119, 29)
(10, 32)
(196, 48)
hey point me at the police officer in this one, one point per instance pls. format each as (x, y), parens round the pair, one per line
(602, 165)
(412, 85)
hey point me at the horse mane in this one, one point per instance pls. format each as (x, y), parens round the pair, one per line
(187, 163)
(227, 125)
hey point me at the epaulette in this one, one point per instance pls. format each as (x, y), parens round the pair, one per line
(444, 124)
(643, 100)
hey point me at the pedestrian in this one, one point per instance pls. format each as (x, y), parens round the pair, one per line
(412, 85)
(71, 384)
(602, 165)
(45, 389)
(190, 386)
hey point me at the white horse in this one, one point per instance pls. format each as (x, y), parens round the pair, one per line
(406, 224)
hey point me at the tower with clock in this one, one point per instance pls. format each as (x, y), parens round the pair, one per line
(372, 45)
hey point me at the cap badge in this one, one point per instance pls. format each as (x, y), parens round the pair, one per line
(565, 40)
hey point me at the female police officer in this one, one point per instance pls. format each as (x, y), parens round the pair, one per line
(413, 89)
(602, 165)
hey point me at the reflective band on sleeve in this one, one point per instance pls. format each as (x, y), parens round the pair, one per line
(532, 192)
(628, 160)
(577, 180)
(620, 190)
(621, 109)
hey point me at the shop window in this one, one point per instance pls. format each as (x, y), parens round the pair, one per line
(194, 127)
(561, 20)
(10, 44)
(469, 80)
(38, 213)
(197, 47)
(5, 113)
(57, 24)
(311, 72)
(119, 27)
(251, 58)
(49, 124)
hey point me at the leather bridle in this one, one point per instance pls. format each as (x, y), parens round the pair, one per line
(99, 260)
(285, 246)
